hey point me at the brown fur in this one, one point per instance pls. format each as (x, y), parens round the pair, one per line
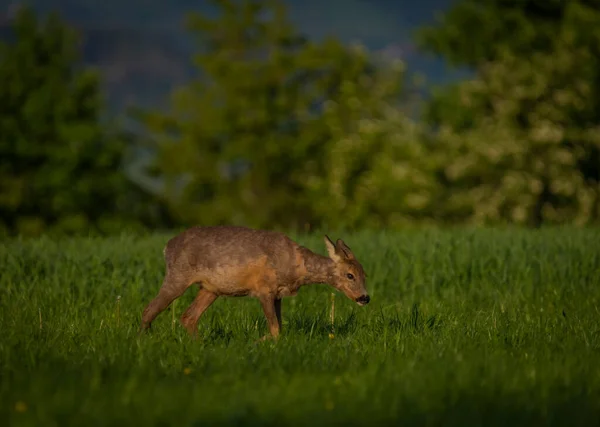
(240, 261)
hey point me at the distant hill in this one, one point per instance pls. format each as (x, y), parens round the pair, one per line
(143, 51)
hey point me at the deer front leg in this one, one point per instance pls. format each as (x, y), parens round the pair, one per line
(269, 305)
(278, 313)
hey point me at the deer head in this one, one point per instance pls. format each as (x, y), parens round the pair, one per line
(348, 274)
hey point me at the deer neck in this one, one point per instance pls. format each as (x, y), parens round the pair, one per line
(318, 268)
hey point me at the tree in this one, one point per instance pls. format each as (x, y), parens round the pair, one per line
(379, 171)
(522, 138)
(60, 170)
(474, 32)
(253, 139)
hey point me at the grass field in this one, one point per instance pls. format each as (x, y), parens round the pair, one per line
(486, 327)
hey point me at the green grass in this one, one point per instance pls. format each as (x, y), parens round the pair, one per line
(487, 327)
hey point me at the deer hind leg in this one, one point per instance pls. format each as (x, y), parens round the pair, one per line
(172, 288)
(190, 318)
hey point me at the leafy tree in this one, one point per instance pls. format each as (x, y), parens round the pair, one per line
(474, 32)
(256, 138)
(379, 170)
(60, 170)
(522, 138)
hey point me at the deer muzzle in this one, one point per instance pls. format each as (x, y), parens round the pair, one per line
(363, 300)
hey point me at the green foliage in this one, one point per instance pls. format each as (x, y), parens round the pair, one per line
(464, 328)
(520, 142)
(281, 131)
(60, 170)
(474, 32)
(278, 131)
(260, 137)
(379, 173)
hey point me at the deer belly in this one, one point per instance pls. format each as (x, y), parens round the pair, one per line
(254, 278)
(227, 288)
(285, 291)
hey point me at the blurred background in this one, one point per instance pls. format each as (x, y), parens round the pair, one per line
(297, 114)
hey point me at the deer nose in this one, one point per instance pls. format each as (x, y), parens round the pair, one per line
(363, 299)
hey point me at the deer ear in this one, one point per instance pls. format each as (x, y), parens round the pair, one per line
(331, 249)
(344, 249)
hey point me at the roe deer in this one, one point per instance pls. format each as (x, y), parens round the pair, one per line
(240, 261)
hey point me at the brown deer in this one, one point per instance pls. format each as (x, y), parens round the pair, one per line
(240, 261)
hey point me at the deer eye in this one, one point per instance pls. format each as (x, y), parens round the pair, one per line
(350, 276)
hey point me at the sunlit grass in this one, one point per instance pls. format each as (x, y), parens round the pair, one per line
(465, 327)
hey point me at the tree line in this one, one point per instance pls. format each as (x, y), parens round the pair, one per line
(277, 130)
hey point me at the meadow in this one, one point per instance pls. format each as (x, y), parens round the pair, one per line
(465, 327)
